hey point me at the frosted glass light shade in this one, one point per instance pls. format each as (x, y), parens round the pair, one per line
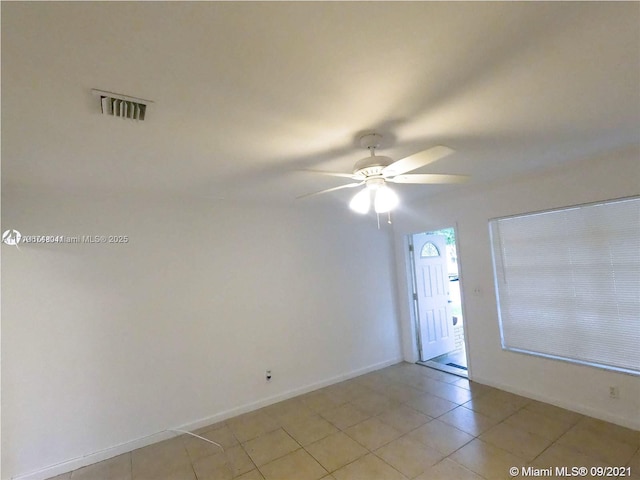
(386, 200)
(361, 201)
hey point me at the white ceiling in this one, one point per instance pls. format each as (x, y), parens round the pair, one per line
(248, 95)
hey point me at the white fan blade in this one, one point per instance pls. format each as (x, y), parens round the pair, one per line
(337, 174)
(348, 185)
(416, 160)
(429, 178)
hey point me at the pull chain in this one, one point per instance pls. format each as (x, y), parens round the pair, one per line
(388, 218)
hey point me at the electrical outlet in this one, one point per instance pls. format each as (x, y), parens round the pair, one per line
(268, 375)
(614, 392)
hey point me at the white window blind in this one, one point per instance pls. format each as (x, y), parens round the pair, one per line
(568, 283)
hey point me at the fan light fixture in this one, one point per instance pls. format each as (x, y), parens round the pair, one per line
(361, 201)
(384, 199)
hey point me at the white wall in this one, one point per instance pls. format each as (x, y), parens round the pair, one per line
(580, 388)
(105, 344)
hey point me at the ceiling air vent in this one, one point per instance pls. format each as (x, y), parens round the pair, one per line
(123, 106)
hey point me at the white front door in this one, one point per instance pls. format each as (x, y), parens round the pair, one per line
(432, 296)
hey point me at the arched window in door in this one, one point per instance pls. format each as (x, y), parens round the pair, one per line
(429, 250)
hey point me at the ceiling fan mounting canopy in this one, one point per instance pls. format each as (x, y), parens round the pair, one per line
(370, 140)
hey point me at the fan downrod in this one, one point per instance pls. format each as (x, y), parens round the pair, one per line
(372, 165)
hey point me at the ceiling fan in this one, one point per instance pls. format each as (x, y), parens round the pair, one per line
(375, 171)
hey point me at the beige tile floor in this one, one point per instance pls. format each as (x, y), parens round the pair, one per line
(403, 422)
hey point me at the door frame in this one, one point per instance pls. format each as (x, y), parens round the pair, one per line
(412, 288)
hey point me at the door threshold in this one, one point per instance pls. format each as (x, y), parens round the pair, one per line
(445, 368)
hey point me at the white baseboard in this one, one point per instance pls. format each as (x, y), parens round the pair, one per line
(574, 407)
(114, 451)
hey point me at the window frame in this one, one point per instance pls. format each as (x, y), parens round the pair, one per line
(497, 247)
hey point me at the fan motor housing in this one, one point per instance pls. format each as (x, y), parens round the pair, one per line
(371, 166)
